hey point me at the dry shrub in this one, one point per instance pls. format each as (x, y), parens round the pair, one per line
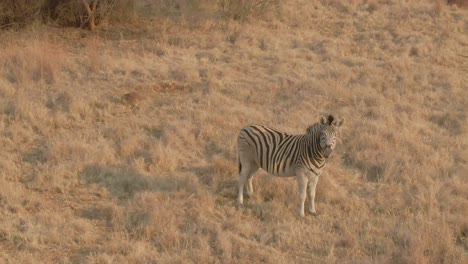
(64, 12)
(20, 12)
(61, 102)
(174, 7)
(372, 5)
(233, 34)
(111, 214)
(458, 3)
(164, 161)
(341, 6)
(243, 9)
(73, 12)
(123, 10)
(452, 123)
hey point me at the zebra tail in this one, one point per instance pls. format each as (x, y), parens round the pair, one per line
(240, 164)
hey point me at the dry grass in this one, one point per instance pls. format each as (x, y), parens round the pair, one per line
(86, 179)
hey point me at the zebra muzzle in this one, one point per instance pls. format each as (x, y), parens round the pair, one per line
(327, 152)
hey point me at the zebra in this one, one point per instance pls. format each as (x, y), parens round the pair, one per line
(285, 155)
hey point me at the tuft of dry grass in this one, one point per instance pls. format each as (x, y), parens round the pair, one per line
(132, 98)
(157, 184)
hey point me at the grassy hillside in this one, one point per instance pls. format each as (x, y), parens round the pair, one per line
(88, 175)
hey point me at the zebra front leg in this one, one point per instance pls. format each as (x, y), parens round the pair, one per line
(312, 184)
(302, 190)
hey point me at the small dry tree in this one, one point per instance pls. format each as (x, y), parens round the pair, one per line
(91, 10)
(96, 11)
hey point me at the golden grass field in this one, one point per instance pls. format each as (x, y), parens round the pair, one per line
(88, 175)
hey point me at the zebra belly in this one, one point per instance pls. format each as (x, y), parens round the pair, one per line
(289, 172)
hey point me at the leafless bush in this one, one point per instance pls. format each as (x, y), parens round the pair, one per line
(175, 8)
(92, 13)
(19, 12)
(458, 3)
(123, 10)
(243, 9)
(82, 13)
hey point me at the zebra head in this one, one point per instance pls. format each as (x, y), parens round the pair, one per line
(328, 134)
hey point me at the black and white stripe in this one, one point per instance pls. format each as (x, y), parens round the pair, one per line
(282, 154)
(278, 152)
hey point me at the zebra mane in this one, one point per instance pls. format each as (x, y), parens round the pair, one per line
(314, 128)
(319, 126)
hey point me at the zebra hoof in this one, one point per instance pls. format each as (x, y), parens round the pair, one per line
(239, 206)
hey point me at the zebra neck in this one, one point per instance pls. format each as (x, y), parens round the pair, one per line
(314, 151)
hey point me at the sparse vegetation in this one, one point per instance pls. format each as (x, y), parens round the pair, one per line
(82, 13)
(243, 9)
(88, 176)
(19, 12)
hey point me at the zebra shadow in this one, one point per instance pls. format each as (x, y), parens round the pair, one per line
(124, 183)
(219, 181)
(223, 183)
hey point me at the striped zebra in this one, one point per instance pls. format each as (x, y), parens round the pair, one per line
(281, 154)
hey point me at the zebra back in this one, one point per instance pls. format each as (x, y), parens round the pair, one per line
(280, 153)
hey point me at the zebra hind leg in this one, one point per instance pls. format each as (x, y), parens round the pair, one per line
(249, 185)
(247, 170)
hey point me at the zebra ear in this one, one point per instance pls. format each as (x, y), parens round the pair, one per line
(338, 123)
(323, 120)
